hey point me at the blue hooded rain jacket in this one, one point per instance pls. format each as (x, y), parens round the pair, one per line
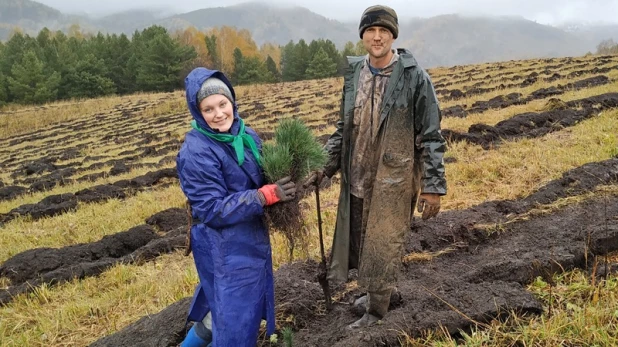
(231, 245)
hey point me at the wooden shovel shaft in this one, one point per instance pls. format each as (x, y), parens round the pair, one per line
(323, 273)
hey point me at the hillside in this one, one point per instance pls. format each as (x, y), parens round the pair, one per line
(267, 23)
(31, 16)
(438, 41)
(591, 35)
(27, 12)
(452, 40)
(127, 22)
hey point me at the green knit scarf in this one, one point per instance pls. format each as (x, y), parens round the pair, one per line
(239, 142)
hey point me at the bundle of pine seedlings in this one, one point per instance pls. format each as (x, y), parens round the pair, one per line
(295, 152)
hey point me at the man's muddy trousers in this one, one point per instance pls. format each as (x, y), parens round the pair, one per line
(378, 300)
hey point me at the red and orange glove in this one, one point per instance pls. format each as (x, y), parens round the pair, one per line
(283, 190)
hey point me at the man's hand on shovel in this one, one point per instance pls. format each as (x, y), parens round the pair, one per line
(315, 178)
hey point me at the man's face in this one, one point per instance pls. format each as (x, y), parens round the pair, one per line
(377, 41)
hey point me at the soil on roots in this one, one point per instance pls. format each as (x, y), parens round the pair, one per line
(286, 217)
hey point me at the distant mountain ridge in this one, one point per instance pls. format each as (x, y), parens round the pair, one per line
(438, 41)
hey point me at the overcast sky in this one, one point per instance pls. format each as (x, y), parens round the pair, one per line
(550, 12)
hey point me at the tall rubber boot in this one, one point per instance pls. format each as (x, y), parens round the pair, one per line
(193, 338)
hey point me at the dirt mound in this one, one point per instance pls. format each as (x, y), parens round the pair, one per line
(589, 82)
(530, 125)
(574, 182)
(482, 280)
(10, 192)
(58, 204)
(501, 101)
(166, 328)
(49, 206)
(39, 166)
(32, 268)
(298, 294)
(169, 220)
(100, 193)
(30, 264)
(454, 111)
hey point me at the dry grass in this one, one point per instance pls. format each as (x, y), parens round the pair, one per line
(583, 314)
(79, 312)
(32, 198)
(89, 223)
(16, 120)
(426, 256)
(517, 168)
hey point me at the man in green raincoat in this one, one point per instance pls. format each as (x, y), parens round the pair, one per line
(389, 149)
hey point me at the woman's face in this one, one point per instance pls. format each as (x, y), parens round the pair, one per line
(218, 112)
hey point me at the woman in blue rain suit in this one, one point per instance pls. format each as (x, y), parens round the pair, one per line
(219, 168)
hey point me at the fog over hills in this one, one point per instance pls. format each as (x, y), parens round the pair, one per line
(445, 39)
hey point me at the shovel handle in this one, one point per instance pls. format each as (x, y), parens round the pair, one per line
(323, 272)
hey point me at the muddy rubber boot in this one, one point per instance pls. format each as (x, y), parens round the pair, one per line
(361, 302)
(359, 307)
(365, 321)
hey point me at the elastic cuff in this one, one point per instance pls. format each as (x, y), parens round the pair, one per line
(261, 198)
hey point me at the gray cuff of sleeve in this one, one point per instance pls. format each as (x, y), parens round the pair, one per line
(262, 198)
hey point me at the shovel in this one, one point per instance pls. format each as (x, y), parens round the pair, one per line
(323, 270)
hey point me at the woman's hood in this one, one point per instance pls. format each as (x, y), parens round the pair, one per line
(193, 83)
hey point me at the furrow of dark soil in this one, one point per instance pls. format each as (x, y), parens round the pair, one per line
(123, 111)
(58, 174)
(164, 233)
(470, 75)
(482, 278)
(95, 134)
(166, 328)
(504, 101)
(551, 73)
(574, 182)
(62, 176)
(455, 94)
(61, 203)
(532, 125)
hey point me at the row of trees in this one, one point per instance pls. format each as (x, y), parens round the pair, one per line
(53, 65)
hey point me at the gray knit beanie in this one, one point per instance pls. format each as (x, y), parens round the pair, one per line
(213, 86)
(379, 15)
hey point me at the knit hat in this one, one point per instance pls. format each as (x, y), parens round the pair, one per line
(382, 16)
(213, 86)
